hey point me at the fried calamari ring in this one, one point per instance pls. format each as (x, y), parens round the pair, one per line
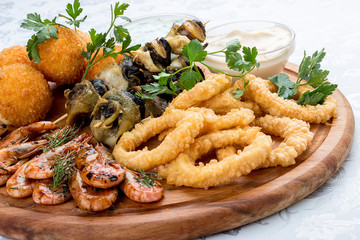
(211, 86)
(225, 101)
(225, 152)
(277, 106)
(297, 137)
(234, 118)
(183, 171)
(188, 125)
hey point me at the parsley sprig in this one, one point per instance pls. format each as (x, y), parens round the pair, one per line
(45, 28)
(310, 73)
(190, 75)
(147, 178)
(100, 42)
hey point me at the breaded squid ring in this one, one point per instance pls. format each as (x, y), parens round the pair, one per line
(277, 106)
(225, 152)
(183, 171)
(225, 101)
(188, 125)
(297, 137)
(211, 86)
(234, 118)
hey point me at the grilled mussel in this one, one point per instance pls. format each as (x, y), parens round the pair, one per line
(193, 29)
(80, 102)
(114, 114)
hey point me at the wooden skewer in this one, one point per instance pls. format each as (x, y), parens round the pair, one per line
(61, 118)
(206, 22)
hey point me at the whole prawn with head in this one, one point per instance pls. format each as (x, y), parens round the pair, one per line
(40, 167)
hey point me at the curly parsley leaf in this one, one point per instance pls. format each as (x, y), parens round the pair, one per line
(286, 88)
(239, 92)
(318, 95)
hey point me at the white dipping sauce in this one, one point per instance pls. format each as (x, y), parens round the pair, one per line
(274, 44)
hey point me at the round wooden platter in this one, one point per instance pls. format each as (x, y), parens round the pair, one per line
(186, 213)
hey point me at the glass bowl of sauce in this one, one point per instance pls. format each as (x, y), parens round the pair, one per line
(275, 42)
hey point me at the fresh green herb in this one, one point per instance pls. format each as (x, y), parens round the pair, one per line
(190, 75)
(62, 168)
(73, 11)
(14, 188)
(60, 137)
(313, 75)
(239, 92)
(100, 42)
(147, 178)
(316, 96)
(46, 30)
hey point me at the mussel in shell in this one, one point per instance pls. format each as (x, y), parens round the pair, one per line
(114, 114)
(80, 102)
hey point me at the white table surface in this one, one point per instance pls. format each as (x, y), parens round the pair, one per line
(332, 211)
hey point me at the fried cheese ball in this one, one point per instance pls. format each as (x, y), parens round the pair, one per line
(99, 65)
(25, 96)
(14, 54)
(61, 59)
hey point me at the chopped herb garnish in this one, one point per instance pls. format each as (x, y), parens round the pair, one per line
(310, 72)
(147, 178)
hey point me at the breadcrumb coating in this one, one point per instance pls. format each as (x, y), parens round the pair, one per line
(211, 86)
(61, 59)
(184, 172)
(14, 54)
(25, 96)
(296, 134)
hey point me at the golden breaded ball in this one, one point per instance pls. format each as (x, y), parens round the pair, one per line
(14, 54)
(61, 59)
(99, 65)
(25, 96)
(84, 35)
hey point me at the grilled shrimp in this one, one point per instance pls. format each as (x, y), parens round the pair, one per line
(10, 155)
(139, 192)
(23, 133)
(44, 194)
(3, 129)
(90, 198)
(4, 178)
(18, 186)
(40, 167)
(98, 168)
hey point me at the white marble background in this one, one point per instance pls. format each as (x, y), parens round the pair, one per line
(331, 212)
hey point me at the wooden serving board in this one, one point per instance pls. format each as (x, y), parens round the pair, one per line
(186, 213)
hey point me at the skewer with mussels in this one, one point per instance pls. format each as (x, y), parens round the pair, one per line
(109, 104)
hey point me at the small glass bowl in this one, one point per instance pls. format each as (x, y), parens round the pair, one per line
(272, 61)
(147, 28)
